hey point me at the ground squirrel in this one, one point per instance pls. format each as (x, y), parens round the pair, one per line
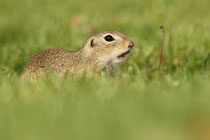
(100, 50)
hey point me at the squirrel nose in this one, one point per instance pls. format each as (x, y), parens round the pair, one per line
(131, 45)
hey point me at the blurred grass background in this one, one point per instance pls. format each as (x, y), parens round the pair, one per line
(137, 104)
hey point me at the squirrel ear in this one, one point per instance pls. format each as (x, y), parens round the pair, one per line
(91, 43)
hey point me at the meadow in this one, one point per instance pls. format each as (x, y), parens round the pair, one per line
(138, 103)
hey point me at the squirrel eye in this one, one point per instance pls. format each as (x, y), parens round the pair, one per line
(109, 38)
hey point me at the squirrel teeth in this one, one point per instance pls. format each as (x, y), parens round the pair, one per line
(122, 56)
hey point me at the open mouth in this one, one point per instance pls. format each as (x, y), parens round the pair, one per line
(123, 55)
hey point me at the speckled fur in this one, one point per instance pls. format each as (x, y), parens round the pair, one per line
(93, 58)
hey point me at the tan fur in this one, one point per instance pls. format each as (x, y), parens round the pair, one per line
(93, 58)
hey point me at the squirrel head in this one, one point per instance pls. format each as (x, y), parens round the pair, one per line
(109, 47)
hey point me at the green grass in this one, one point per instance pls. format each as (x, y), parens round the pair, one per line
(138, 104)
